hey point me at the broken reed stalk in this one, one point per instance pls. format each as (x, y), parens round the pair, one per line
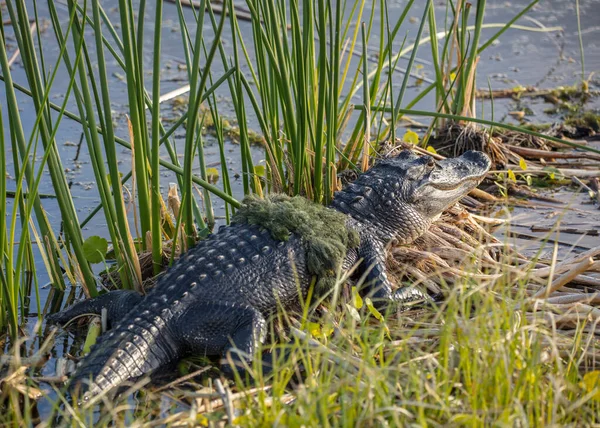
(566, 264)
(564, 279)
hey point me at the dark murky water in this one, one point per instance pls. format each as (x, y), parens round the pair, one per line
(543, 59)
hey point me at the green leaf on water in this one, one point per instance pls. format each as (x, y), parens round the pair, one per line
(95, 248)
(411, 137)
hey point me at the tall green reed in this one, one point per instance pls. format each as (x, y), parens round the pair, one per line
(90, 87)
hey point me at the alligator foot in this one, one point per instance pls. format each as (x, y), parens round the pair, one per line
(117, 304)
(408, 297)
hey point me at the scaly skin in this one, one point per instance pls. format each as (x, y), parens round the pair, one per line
(217, 297)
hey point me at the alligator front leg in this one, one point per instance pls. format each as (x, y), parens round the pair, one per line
(117, 304)
(232, 331)
(377, 285)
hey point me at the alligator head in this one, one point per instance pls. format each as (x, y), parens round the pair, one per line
(401, 196)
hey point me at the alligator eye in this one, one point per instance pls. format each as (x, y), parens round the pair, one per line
(431, 163)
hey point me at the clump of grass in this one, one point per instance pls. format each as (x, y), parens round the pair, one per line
(323, 231)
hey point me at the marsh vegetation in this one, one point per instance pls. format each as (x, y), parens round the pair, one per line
(304, 95)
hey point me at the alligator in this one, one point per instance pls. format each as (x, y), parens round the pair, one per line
(217, 298)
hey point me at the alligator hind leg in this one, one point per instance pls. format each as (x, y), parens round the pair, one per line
(231, 331)
(244, 343)
(117, 304)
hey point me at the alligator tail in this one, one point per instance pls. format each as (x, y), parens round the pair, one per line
(135, 347)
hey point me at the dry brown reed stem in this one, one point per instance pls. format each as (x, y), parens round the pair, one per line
(577, 308)
(350, 363)
(537, 153)
(587, 281)
(208, 402)
(567, 172)
(565, 278)
(569, 298)
(183, 378)
(562, 321)
(421, 278)
(226, 398)
(490, 220)
(566, 264)
(40, 356)
(17, 52)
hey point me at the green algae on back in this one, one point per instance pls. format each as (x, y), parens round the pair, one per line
(323, 231)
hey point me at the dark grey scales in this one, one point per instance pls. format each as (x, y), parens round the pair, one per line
(219, 294)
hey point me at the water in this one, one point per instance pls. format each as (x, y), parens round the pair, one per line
(541, 59)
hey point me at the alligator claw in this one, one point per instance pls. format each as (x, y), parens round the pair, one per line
(409, 297)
